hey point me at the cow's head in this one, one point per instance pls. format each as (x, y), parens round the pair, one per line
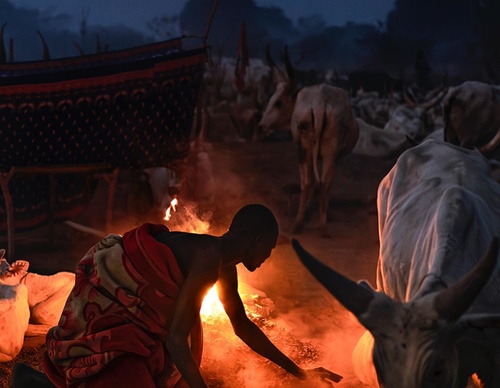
(418, 117)
(414, 343)
(279, 109)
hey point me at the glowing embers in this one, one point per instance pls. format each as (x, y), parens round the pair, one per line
(258, 307)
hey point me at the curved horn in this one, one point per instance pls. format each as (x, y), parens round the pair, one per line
(290, 71)
(433, 98)
(409, 98)
(3, 53)
(78, 48)
(269, 57)
(46, 53)
(276, 71)
(491, 145)
(356, 298)
(452, 302)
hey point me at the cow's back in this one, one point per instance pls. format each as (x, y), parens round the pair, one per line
(439, 208)
(330, 105)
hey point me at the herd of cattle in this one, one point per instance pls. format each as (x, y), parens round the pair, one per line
(434, 318)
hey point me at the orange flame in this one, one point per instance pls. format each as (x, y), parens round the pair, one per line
(211, 305)
(172, 207)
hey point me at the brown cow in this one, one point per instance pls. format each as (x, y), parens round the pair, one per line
(323, 127)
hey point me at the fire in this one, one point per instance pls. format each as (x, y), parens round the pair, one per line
(211, 306)
(227, 361)
(172, 207)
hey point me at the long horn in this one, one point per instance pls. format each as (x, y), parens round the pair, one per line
(491, 145)
(409, 98)
(354, 297)
(11, 50)
(452, 302)
(276, 72)
(433, 98)
(269, 57)
(46, 53)
(290, 70)
(3, 53)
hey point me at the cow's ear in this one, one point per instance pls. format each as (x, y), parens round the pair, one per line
(366, 284)
(2, 253)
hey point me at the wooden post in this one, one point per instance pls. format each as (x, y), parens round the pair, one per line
(111, 180)
(9, 209)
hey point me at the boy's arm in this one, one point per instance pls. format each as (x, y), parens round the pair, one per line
(244, 328)
(251, 334)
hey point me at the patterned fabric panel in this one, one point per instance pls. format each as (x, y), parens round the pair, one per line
(131, 109)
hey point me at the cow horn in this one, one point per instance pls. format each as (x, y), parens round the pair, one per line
(3, 54)
(269, 58)
(491, 145)
(290, 71)
(276, 71)
(354, 297)
(46, 52)
(452, 302)
(409, 98)
(433, 98)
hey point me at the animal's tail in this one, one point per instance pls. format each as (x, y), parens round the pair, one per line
(318, 122)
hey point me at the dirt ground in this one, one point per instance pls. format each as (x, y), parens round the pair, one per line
(313, 325)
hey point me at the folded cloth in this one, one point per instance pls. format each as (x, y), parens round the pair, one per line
(116, 319)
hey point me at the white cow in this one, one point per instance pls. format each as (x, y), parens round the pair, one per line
(30, 304)
(435, 317)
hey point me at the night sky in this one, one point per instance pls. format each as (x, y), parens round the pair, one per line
(136, 14)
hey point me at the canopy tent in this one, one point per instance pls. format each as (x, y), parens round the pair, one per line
(129, 109)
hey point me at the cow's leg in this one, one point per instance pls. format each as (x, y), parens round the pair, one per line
(306, 185)
(329, 157)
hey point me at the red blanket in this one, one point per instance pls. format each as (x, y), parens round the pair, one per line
(114, 325)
